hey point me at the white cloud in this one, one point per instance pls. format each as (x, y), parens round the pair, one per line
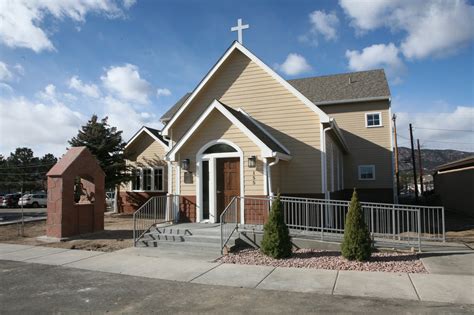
(128, 3)
(163, 92)
(324, 24)
(5, 74)
(377, 56)
(126, 83)
(433, 28)
(22, 19)
(5, 88)
(90, 90)
(427, 128)
(10, 73)
(293, 65)
(43, 127)
(48, 94)
(122, 115)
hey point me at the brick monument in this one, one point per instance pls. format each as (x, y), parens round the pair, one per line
(76, 195)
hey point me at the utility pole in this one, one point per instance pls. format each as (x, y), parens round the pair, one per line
(397, 174)
(413, 161)
(421, 167)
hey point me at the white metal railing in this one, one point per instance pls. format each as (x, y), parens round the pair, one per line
(325, 219)
(229, 221)
(158, 209)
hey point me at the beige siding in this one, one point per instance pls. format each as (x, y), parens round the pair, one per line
(241, 83)
(147, 152)
(217, 126)
(367, 146)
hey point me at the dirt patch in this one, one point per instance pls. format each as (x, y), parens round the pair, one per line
(331, 260)
(117, 234)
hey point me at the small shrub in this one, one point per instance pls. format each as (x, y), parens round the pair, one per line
(276, 240)
(357, 243)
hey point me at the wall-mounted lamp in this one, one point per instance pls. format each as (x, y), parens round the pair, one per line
(252, 161)
(185, 164)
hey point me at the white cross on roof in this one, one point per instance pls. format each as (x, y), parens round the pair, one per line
(239, 28)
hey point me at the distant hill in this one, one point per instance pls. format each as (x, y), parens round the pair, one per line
(430, 158)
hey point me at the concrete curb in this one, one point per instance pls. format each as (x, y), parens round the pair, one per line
(451, 288)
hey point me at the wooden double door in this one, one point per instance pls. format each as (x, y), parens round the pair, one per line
(227, 182)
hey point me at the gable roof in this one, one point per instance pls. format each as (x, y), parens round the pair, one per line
(462, 163)
(329, 89)
(269, 146)
(345, 87)
(237, 46)
(257, 130)
(154, 133)
(173, 109)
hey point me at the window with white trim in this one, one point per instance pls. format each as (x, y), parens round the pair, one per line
(148, 179)
(158, 180)
(136, 180)
(373, 120)
(366, 172)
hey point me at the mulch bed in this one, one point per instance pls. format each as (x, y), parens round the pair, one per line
(332, 260)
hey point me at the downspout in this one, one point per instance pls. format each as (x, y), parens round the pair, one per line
(325, 167)
(269, 174)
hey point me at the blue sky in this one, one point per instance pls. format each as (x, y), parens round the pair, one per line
(131, 60)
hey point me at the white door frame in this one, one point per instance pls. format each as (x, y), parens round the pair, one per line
(200, 157)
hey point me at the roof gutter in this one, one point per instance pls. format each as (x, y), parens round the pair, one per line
(355, 100)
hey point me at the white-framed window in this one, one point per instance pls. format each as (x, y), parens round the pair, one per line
(148, 179)
(158, 178)
(366, 172)
(373, 120)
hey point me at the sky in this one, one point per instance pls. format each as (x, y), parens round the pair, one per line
(62, 61)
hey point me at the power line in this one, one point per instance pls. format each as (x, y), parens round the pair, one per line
(439, 129)
(470, 143)
(28, 166)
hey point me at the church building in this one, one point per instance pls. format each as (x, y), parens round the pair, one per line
(246, 131)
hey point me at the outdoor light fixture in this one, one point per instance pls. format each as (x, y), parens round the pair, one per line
(185, 164)
(252, 161)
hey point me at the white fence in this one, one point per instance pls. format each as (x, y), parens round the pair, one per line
(325, 219)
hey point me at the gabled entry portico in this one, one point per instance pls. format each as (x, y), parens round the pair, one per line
(216, 151)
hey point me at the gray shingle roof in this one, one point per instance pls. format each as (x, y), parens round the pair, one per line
(157, 134)
(343, 87)
(256, 130)
(330, 88)
(167, 116)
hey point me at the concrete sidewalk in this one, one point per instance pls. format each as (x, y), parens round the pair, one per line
(199, 267)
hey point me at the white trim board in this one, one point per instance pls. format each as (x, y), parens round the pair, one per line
(200, 157)
(323, 117)
(265, 150)
(144, 129)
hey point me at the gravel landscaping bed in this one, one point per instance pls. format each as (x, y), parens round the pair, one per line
(320, 259)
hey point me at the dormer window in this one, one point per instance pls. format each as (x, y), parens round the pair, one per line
(373, 120)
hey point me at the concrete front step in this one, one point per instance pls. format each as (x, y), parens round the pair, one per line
(184, 245)
(182, 238)
(178, 231)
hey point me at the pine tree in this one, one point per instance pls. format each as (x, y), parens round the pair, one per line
(106, 144)
(357, 243)
(276, 240)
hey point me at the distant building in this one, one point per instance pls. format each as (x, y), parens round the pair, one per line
(454, 182)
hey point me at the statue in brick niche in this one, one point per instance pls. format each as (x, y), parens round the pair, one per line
(81, 194)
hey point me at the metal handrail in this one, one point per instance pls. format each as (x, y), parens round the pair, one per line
(325, 218)
(158, 209)
(226, 233)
